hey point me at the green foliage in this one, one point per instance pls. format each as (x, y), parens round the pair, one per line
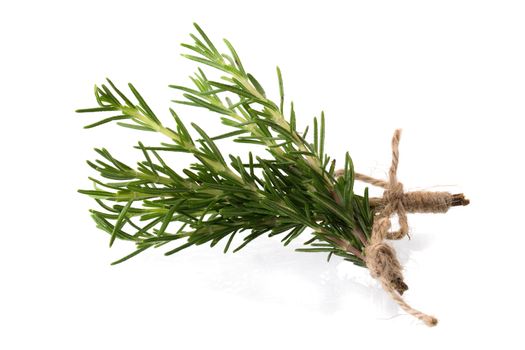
(290, 191)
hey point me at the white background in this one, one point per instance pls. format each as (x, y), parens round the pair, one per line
(450, 73)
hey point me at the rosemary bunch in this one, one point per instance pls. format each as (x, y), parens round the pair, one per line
(292, 189)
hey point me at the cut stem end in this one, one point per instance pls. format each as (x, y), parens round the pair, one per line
(459, 199)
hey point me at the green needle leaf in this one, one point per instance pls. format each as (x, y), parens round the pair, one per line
(136, 252)
(281, 90)
(119, 223)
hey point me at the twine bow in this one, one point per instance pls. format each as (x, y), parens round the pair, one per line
(380, 257)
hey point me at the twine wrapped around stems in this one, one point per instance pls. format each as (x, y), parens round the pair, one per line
(380, 257)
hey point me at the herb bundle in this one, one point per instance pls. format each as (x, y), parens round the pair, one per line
(233, 199)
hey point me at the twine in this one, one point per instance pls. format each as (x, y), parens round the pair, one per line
(380, 257)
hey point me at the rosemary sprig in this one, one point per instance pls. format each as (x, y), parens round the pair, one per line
(291, 190)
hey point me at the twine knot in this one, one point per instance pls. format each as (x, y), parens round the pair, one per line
(394, 193)
(383, 264)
